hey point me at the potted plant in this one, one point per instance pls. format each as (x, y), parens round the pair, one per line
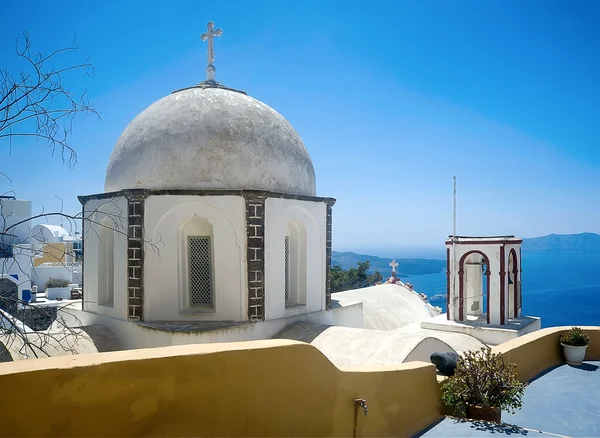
(482, 386)
(57, 288)
(574, 343)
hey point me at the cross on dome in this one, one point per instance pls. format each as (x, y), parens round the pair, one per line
(210, 68)
(394, 265)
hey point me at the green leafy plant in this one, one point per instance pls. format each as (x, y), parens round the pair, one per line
(575, 337)
(483, 379)
(57, 282)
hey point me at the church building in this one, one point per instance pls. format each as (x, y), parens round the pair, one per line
(209, 230)
(209, 213)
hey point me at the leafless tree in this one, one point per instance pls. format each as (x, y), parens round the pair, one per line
(34, 101)
(37, 104)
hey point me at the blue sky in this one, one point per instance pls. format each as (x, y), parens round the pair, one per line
(391, 99)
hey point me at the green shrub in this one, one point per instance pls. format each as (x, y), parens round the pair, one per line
(575, 337)
(482, 378)
(56, 282)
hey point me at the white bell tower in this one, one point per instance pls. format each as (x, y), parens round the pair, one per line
(483, 279)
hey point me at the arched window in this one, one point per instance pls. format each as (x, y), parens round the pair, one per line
(198, 276)
(295, 264)
(106, 263)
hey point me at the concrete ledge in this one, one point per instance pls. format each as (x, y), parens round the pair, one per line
(489, 334)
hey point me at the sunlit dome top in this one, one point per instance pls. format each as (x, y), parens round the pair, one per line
(210, 137)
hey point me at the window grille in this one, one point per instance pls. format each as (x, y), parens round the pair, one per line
(200, 271)
(287, 269)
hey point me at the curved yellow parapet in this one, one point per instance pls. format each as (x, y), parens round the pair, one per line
(260, 388)
(535, 352)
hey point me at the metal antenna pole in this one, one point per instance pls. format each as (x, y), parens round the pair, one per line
(454, 219)
(453, 276)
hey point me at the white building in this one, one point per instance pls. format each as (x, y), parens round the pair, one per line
(16, 251)
(209, 214)
(57, 255)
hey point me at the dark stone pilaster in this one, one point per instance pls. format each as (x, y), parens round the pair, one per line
(135, 259)
(330, 203)
(255, 256)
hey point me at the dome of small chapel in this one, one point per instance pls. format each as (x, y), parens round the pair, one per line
(210, 138)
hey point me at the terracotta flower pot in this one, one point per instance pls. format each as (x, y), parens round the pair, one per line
(485, 414)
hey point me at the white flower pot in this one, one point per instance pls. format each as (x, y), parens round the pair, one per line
(574, 355)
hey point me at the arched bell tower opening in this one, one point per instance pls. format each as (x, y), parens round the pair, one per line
(514, 285)
(474, 286)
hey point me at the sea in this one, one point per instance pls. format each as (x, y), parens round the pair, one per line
(561, 288)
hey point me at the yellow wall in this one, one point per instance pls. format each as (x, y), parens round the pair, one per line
(53, 253)
(535, 352)
(261, 388)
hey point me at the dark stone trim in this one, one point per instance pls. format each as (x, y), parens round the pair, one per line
(505, 236)
(135, 258)
(144, 193)
(255, 255)
(328, 240)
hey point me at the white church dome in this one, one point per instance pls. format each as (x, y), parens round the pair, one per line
(208, 137)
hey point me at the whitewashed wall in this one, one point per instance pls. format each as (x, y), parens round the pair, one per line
(42, 273)
(42, 234)
(139, 336)
(311, 216)
(96, 211)
(18, 268)
(165, 288)
(13, 211)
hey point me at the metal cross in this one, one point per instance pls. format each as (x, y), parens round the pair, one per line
(394, 265)
(210, 69)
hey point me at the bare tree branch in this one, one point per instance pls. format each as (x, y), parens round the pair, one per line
(34, 102)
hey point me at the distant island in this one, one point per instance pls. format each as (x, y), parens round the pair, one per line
(553, 243)
(583, 242)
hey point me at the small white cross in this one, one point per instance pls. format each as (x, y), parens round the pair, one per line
(210, 69)
(394, 265)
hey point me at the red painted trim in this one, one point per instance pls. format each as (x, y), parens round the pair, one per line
(485, 242)
(461, 291)
(448, 283)
(515, 271)
(502, 285)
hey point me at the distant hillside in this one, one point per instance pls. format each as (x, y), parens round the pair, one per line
(406, 267)
(584, 242)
